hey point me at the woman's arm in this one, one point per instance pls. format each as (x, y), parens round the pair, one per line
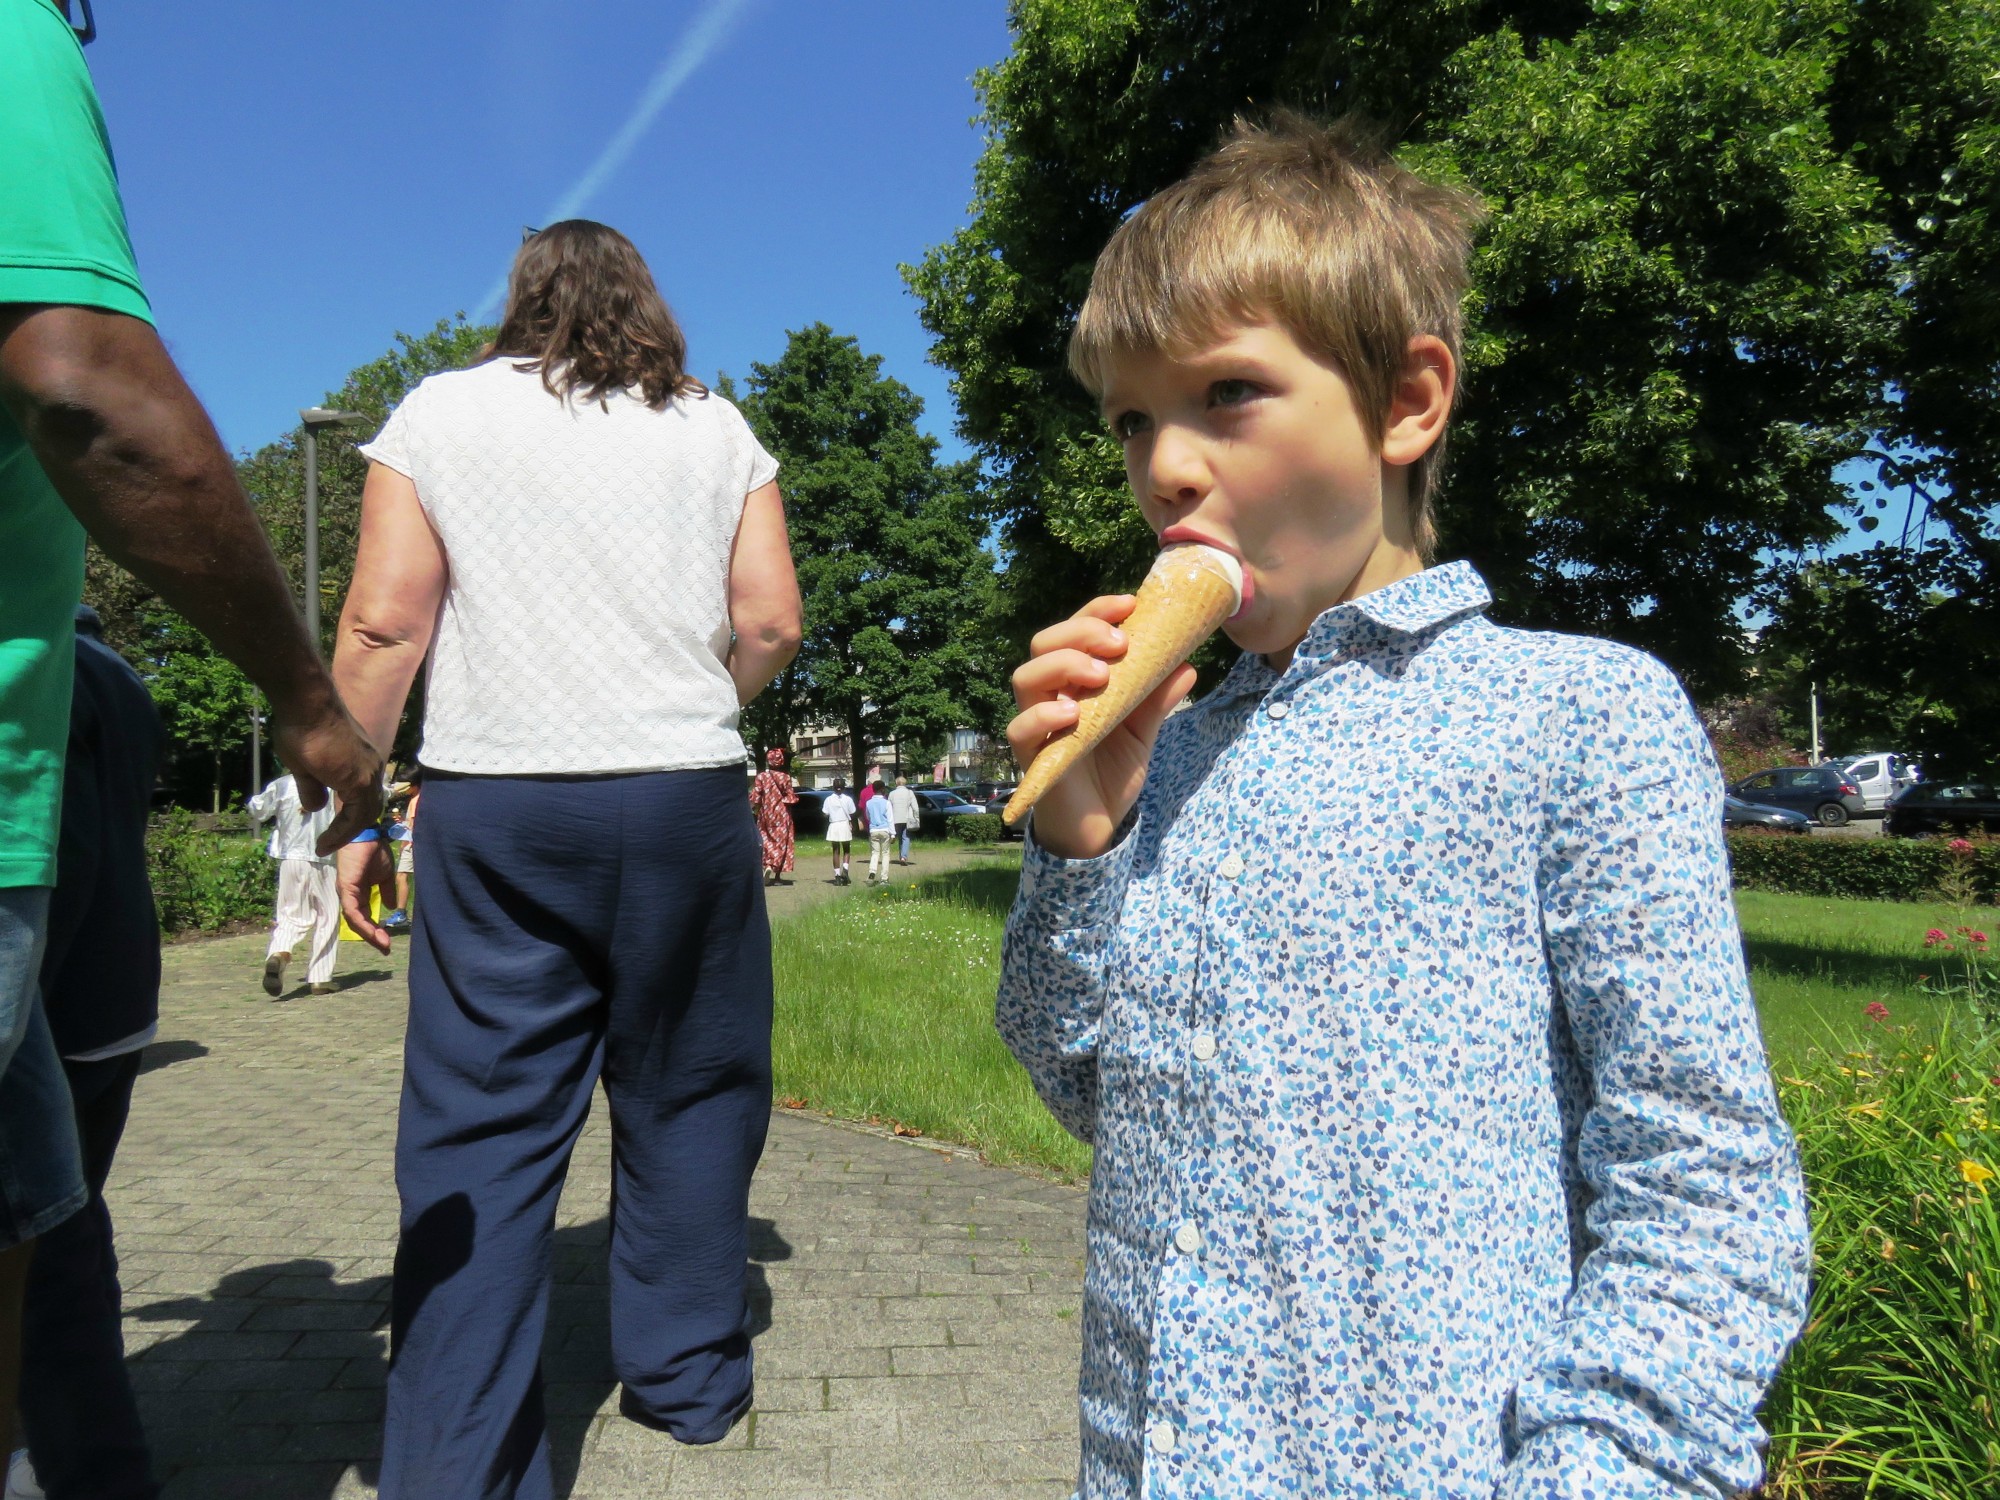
(764, 606)
(385, 629)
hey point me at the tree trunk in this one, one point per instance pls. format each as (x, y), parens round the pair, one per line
(215, 787)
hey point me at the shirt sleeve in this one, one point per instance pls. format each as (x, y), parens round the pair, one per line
(757, 466)
(63, 237)
(391, 447)
(1696, 1278)
(1056, 963)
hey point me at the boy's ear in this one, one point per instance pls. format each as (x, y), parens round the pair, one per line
(1420, 401)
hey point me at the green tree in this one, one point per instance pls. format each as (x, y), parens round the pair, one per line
(203, 699)
(895, 583)
(1696, 299)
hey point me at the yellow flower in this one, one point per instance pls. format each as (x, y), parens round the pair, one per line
(1872, 1109)
(1974, 1174)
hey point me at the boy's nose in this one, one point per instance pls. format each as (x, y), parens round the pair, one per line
(1178, 474)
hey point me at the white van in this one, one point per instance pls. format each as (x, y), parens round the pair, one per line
(1880, 776)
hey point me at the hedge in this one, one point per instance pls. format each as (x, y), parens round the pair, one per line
(1881, 869)
(203, 881)
(977, 828)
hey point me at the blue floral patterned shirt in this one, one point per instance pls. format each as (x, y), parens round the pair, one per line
(1436, 1152)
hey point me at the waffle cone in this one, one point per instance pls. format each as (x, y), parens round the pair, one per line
(1190, 590)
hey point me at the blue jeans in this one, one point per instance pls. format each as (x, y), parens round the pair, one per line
(903, 833)
(41, 1168)
(78, 1413)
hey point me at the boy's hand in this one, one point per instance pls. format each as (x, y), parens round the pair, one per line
(1078, 817)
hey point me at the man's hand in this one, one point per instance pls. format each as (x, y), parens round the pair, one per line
(363, 868)
(325, 751)
(1078, 817)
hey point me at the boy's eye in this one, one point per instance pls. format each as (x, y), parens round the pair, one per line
(1231, 392)
(1128, 424)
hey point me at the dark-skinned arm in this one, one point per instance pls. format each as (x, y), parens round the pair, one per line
(134, 456)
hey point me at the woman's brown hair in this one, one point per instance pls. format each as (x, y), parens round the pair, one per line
(583, 309)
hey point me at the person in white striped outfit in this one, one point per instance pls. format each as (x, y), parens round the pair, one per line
(308, 898)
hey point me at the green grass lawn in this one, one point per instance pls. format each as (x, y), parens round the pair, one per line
(1816, 964)
(885, 1012)
(885, 1001)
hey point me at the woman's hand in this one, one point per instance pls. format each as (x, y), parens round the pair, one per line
(1078, 817)
(361, 868)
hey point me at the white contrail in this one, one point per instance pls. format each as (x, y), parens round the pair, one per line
(694, 48)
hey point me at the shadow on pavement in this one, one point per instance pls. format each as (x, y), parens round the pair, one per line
(165, 1054)
(275, 1390)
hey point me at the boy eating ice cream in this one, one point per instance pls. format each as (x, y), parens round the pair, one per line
(1396, 983)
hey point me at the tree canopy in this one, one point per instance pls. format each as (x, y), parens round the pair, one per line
(1734, 246)
(887, 541)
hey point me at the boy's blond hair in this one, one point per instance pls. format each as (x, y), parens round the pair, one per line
(1315, 226)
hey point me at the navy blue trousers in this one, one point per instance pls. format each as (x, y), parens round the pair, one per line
(573, 928)
(78, 1413)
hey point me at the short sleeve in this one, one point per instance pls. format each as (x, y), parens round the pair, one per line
(63, 237)
(391, 446)
(757, 466)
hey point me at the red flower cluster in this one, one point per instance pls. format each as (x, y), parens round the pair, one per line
(1936, 938)
(1877, 1012)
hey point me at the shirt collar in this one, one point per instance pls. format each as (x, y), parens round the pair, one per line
(1409, 606)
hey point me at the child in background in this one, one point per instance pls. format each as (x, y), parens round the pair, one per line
(839, 810)
(881, 830)
(1436, 1152)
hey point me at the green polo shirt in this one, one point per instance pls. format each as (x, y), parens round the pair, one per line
(62, 240)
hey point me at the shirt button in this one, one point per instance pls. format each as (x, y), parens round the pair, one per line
(1278, 710)
(1161, 1435)
(1187, 1239)
(1204, 1046)
(1231, 867)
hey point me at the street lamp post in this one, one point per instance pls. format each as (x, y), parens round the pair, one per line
(315, 418)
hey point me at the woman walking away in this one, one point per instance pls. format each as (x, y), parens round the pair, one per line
(771, 799)
(591, 550)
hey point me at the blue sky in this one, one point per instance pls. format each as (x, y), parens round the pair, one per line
(303, 182)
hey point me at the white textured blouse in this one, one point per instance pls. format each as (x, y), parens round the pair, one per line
(585, 626)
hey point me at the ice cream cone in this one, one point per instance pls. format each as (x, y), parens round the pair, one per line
(1191, 589)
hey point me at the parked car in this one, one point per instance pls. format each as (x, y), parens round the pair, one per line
(1880, 774)
(990, 796)
(1944, 807)
(937, 806)
(1736, 813)
(1827, 796)
(809, 812)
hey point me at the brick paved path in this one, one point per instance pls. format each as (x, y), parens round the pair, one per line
(916, 1311)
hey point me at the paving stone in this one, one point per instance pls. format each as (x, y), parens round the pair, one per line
(916, 1324)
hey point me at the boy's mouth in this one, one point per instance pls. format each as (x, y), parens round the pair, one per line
(1182, 533)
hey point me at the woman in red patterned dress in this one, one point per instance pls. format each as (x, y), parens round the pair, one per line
(771, 799)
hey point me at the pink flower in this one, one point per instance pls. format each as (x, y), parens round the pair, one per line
(1877, 1012)
(1936, 938)
(1960, 846)
(1978, 937)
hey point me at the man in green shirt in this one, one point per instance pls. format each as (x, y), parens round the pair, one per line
(99, 433)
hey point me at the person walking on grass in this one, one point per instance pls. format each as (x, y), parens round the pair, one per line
(839, 809)
(308, 906)
(589, 549)
(881, 829)
(772, 797)
(905, 813)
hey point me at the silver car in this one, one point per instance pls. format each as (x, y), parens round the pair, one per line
(1880, 776)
